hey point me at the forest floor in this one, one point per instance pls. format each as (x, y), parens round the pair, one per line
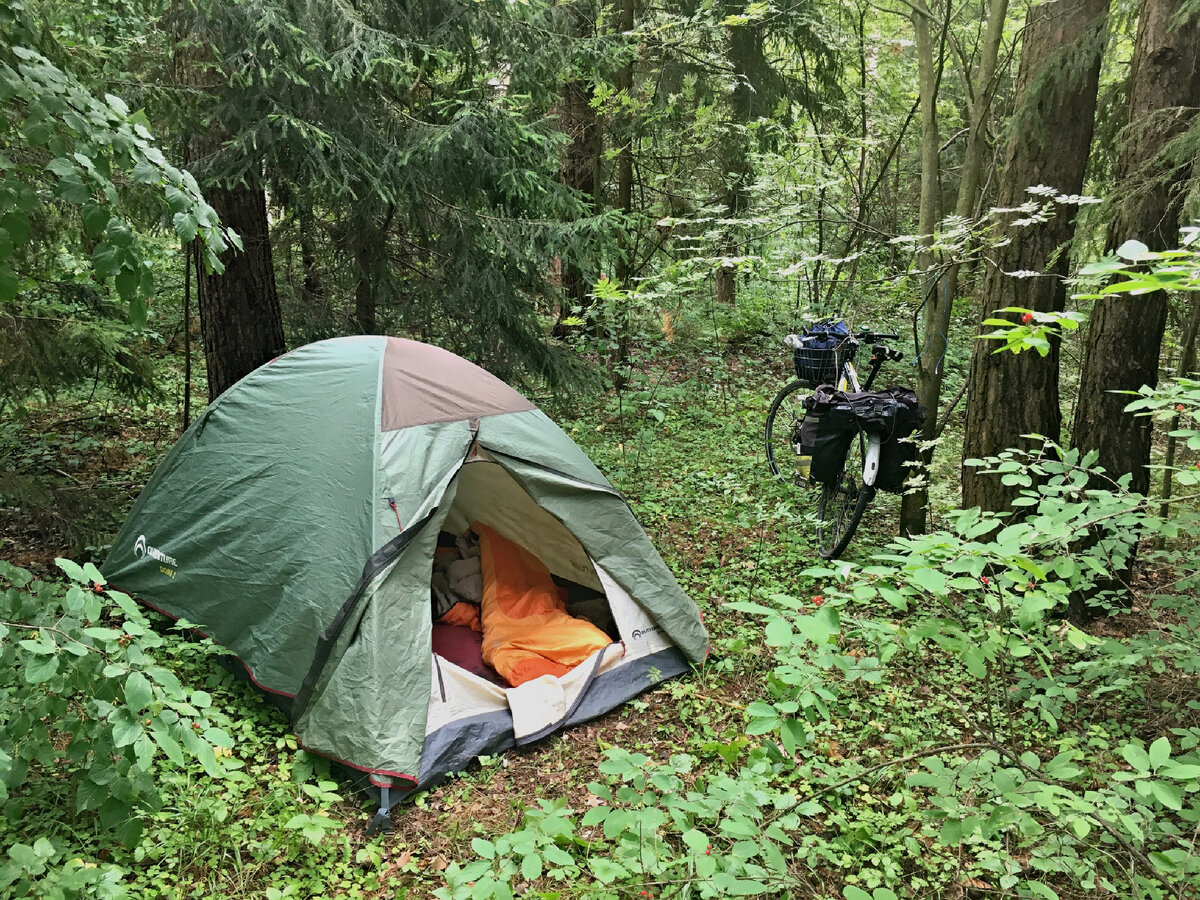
(683, 441)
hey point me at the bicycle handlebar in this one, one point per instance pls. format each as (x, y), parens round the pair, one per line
(865, 336)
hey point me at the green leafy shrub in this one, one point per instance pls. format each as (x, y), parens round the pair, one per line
(1038, 758)
(1033, 793)
(88, 716)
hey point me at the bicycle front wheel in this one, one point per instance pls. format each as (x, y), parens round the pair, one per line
(843, 502)
(783, 430)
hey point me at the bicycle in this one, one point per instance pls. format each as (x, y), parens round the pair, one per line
(844, 499)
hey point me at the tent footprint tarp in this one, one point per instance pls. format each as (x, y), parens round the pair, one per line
(296, 522)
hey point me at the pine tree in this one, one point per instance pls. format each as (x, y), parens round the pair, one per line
(418, 135)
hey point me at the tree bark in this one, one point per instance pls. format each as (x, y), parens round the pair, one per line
(624, 84)
(936, 305)
(750, 74)
(364, 292)
(1187, 364)
(580, 168)
(1124, 334)
(311, 289)
(240, 319)
(968, 194)
(241, 326)
(1011, 395)
(984, 89)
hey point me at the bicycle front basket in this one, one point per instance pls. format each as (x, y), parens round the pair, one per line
(819, 359)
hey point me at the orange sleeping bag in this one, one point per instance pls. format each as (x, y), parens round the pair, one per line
(526, 629)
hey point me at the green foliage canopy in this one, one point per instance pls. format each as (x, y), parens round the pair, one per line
(70, 166)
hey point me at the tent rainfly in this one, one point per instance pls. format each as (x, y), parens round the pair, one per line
(297, 522)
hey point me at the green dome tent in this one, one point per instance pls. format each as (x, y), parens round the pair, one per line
(296, 523)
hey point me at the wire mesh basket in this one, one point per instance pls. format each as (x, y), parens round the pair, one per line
(817, 364)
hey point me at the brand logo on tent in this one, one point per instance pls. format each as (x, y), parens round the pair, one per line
(639, 633)
(141, 548)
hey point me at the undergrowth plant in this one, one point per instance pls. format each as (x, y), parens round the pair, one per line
(1044, 760)
(89, 712)
(118, 778)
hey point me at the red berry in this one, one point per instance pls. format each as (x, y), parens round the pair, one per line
(1027, 318)
(1179, 407)
(985, 580)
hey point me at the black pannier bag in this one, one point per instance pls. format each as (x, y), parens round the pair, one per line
(897, 457)
(898, 453)
(829, 427)
(838, 416)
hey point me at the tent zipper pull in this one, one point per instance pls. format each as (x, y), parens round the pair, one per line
(391, 501)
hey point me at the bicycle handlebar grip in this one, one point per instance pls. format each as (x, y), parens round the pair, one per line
(872, 337)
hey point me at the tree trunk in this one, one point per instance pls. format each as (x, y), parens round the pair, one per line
(624, 83)
(311, 289)
(984, 90)
(936, 318)
(364, 292)
(968, 187)
(580, 166)
(746, 59)
(1015, 394)
(1124, 333)
(240, 319)
(241, 326)
(1187, 364)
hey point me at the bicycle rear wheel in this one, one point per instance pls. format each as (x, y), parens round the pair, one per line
(843, 502)
(783, 429)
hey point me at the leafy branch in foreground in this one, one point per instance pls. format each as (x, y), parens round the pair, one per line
(59, 141)
(87, 718)
(1136, 269)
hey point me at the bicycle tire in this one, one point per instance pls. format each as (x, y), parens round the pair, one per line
(842, 503)
(791, 417)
